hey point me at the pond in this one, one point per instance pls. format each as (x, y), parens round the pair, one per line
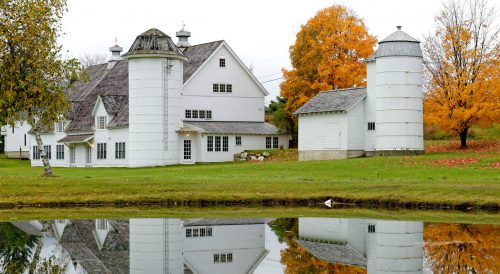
(248, 245)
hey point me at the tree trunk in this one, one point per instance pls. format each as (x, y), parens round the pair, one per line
(463, 138)
(38, 249)
(47, 169)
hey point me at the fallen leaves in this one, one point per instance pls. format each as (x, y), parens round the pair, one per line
(454, 162)
(473, 146)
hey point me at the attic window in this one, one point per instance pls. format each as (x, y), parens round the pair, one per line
(371, 125)
(101, 122)
(371, 228)
(222, 62)
(60, 126)
(102, 224)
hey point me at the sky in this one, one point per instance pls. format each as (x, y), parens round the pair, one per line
(259, 31)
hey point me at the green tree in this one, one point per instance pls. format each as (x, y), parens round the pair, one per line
(281, 118)
(33, 74)
(16, 248)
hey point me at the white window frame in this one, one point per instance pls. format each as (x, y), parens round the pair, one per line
(225, 143)
(187, 114)
(276, 142)
(222, 62)
(238, 140)
(371, 126)
(36, 153)
(101, 151)
(101, 122)
(88, 155)
(60, 152)
(371, 228)
(48, 151)
(222, 88)
(215, 88)
(102, 224)
(229, 88)
(72, 155)
(120, 150)
(210, 143)
(269, 142)
(209, 114)
(217, 144)
(61, 125)
(189, 233)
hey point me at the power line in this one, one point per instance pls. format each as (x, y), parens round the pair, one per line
(272, 80)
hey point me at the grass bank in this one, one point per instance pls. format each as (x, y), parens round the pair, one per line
(427, 181)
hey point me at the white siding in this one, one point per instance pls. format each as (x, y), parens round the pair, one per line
(356, 126)
(16, 141)
(326, 131)
(370, 102)
(244, 103)
(399, 103)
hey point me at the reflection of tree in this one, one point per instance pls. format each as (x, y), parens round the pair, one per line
(297, 259)
(16, 248)
(462, 248)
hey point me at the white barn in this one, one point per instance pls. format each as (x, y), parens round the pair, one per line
(377, 245)
(161, 103)
(384, 118)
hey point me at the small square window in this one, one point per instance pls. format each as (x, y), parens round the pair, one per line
(371, 125)
(229, 88)
(371, 228)
(188, 233)
(203, 114)
(196, 232)
(222, 258)
(203, 232)
(238, 140)
(222, 62)
(188, 113)
(216, 88)
(195, 114)
(222, 88)
(209, 114)
(209, 232)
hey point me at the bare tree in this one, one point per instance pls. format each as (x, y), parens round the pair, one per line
(462, 67)
(88, 60)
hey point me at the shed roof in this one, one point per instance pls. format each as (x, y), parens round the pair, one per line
(244, 128)
(79, 138)
(333, 101)
(334, 253)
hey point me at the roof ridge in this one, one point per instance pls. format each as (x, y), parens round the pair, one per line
(207, 43)
(342, 89)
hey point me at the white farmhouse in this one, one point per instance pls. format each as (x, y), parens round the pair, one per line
(161, 104)
(384, 118)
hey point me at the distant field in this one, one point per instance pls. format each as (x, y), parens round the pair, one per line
(437, 179)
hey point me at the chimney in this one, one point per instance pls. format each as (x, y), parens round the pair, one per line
(115, 55)
(183, 36)
(399, 27)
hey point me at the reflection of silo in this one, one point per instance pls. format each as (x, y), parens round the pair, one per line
(399, 247)
(155, 246)
(399, 122)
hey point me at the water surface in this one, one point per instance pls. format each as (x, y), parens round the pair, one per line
(248, 245)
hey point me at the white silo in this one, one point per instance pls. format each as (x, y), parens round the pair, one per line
(155, 71)
(398, 247)
(156, 246)
(399, 105)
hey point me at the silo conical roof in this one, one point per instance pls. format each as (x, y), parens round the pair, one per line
(399, 43)
(154, 42)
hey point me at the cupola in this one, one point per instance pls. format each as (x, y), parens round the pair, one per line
(183, 36)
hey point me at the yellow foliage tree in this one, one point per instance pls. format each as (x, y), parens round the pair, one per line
(329, 52)
(462, 68)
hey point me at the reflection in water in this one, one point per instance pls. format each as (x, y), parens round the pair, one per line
(308, 245)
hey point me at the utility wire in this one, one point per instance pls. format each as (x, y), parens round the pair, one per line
(272, 80)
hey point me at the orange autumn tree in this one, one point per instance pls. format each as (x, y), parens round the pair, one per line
(462, 248)
(462, 68)
(328, 53)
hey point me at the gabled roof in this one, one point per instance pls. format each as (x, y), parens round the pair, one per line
(244, 128)
(338, 100)
(334, 253)
(197, 55)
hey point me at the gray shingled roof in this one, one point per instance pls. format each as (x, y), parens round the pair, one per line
(243, 128)
(399, 43)
(334, 253)
(332, 101)
(153, 41)
(223, 221)
(79, 138)
(112, 86)
(196, 57)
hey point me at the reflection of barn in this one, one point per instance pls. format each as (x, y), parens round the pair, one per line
(380, 246)
(159, 245)
(196, 245)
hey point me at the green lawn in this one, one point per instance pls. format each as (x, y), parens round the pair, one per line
(381, 180)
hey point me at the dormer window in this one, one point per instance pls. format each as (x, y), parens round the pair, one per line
(222, 62)
(60, 126)
(101, 122)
